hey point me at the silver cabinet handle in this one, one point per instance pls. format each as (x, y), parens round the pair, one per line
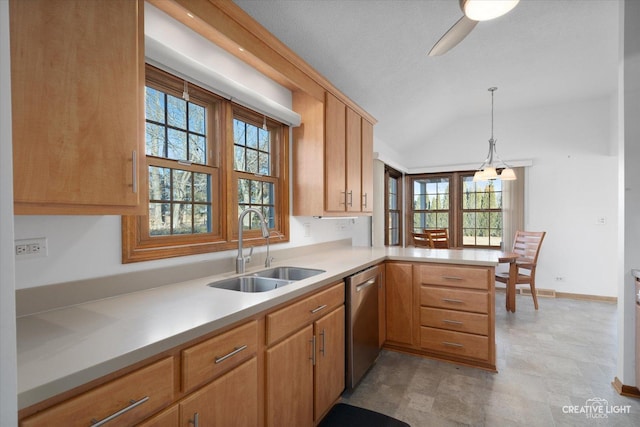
(453, 301)
(318, 308)
(235, 351)
(366, 284)
(452, 322)
(196, 420)
(134, 175)
(134, 403)
(364, 204)
(452, 344)
(452, 278)
(322, 347)
(313, 350)
(350, 198)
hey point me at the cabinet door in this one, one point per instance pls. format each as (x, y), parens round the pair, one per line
(289, 399)
(367, 166)
(399, 299)
(354, 161)
(167, 418)
(330, 363)
(77, 71)
(335, 154)
(229, 401)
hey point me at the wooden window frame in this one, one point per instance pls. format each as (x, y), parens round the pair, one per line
(392, 173)
(138, 246)
(455, 206)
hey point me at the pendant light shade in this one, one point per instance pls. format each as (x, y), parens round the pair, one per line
(484, 10)
(493, 162)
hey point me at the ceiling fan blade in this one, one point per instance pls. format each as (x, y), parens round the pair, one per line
(451, 38)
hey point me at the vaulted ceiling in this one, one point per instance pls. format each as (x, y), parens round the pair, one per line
(375, 51)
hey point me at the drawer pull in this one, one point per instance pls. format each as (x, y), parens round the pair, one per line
(235, 351)
(453, 301)
(318, 308)
(196, 420)
(452, 322)
(452, 344)
(96, 423)
(452, 278)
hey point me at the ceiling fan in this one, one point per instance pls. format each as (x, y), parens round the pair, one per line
(474, 11)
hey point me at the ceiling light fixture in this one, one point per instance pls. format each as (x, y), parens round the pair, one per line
(484, 10)
(488, 169)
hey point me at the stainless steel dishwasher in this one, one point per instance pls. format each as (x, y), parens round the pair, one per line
(362, 323)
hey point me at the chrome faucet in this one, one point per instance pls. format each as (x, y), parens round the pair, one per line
(241, 260)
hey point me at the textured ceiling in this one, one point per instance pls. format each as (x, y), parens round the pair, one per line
(543, 52)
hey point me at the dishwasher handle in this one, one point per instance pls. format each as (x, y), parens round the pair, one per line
(366, 284)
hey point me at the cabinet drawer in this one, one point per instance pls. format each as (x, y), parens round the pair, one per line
(455, 275)
(144, 391)
(455, 343)
(287, 320)
(460, 321)
(210, 358)
(455, 299)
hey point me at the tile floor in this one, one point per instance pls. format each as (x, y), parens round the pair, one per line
(561, 356)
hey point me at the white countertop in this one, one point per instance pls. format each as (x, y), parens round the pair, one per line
(64, 348)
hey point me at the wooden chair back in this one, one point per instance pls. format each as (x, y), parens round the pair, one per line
(527, 245)
(433, 238)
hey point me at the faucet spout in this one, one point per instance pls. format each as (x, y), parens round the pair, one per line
(241, 260)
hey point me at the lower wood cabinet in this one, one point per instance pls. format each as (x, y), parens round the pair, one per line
(288, 373)
(125, 400)
(305, 372)
(229, 401)
(446, 311)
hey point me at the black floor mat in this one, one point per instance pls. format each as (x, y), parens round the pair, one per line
(343, 415)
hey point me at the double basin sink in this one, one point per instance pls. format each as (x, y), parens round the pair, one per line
(266, 280)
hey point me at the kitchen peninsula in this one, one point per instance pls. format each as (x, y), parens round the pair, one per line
(69, 351)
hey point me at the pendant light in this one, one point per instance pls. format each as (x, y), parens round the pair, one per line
(484, 10)
(493, 162)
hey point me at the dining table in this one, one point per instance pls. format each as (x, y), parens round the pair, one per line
(511, 258)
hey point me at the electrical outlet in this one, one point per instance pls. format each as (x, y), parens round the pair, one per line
(31, 248)
(559, 278)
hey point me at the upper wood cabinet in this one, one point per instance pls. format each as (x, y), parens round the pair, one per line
(333, 158)
(77, 83)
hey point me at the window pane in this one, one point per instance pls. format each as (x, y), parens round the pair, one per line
(252, 161)
(181, 185)
(202, 219)
(267, 193)
(256, 192)
(243, 191)
(177, 112)
(197, 119)
(252, 136)
(155, 140)
(263, 167)
(442, 220)
(182, 218)
(238, 132)
(177, 149)
(154, 105)
(201, 187)
(159, 183)
(238, 158)
(393, 201)
(197, 149)
(159, 219)
(263, 140)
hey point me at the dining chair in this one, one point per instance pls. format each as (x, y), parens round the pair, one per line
(527, 245)
(438, 238)
(420, 240)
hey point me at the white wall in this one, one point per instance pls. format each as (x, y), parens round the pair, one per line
(571, 184)
(8, 375)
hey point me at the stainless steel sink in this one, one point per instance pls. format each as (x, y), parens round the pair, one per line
(288, 273)
(250, 284)
(266, 280)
